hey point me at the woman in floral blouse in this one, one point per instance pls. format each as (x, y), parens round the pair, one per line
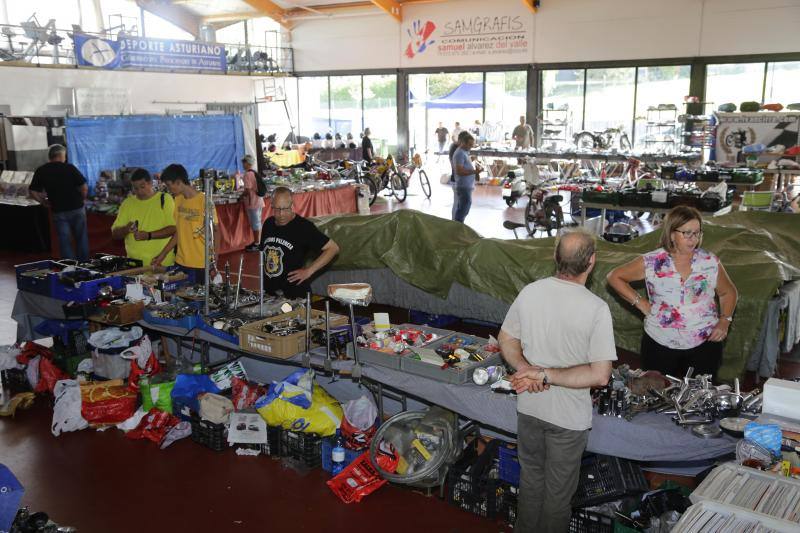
(682, 327)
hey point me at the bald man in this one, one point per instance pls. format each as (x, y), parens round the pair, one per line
(286, 241)
(558, 355)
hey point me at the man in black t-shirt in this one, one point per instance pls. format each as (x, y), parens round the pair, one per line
(367, 152)
(441, 137)
(60, 186)
(286, 240)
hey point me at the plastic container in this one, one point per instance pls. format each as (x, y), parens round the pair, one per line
(604, 478)
(507, 496)
(209, 434)
(476, 496)
(188, 322)
(85, 290)
(454, 375)
(41, 284)
(272, 446)
(210, 329)
(509, 464)
(585, 521)
(304, 447)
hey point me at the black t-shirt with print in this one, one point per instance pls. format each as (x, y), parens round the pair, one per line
(285, 249)
(366, 148)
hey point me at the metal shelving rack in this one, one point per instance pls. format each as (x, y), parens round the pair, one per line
(554, 126)
(661, 129)
(699, 131)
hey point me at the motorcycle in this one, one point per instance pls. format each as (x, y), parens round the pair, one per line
(520, 182)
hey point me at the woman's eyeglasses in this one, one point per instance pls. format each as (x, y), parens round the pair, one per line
(690, 234)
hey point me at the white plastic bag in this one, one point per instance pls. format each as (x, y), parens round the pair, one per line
(8, 357)
(114, 338)
(140, 352)
(67, 408)
(361, 413)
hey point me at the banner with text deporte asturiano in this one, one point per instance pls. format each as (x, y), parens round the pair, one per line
(141, 53)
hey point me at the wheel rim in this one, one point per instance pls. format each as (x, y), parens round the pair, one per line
(425, 182)
(399, 188)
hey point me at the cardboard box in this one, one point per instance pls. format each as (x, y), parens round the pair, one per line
(253, 339)
(119, 314)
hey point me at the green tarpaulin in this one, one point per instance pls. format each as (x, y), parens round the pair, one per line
(759, 250)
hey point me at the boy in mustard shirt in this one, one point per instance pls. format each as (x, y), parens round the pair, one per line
(189, 236)
(146, 220)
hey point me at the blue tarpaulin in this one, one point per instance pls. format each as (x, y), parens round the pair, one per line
(465, 96)
(153, 142)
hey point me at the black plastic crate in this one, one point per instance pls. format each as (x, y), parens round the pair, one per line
(209, 434)
(15, 381)
(507, 496)
(305, 447)
(604, 478)
(585, 521)
(77, 344)
(477, 495)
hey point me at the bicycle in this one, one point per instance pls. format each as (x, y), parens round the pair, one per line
(382, 175)
(415, 165)
(607, 139)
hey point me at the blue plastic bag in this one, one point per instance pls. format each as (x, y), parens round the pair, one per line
(11, 492)
(187, 388)
(766, 435)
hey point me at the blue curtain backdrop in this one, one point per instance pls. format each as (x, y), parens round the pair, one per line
(153, 142)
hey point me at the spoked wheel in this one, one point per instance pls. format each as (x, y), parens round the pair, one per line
(399, 186)
(425, 182)
(585, 140)
(530, 216)
(373, 189)
(510, 202)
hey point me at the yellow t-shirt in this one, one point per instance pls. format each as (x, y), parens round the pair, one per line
(189, 214)
(151, 216)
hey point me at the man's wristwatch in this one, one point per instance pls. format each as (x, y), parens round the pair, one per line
(728, 318)
(149, 235)
(545, 381)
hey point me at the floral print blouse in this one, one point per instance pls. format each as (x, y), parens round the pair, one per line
(683, 311)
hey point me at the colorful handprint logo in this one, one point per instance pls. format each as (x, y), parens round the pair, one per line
(420, 37)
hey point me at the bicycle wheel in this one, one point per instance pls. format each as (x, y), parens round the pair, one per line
(530, 216)
(399, 186)
(425, 182)
(373, 189)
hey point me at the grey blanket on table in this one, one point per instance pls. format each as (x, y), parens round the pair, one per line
(30, 309)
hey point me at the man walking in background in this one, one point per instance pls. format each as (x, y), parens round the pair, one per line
(61, 187)
(441, 138)
(523, 134)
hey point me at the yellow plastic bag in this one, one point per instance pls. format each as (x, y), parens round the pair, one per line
(298, 404)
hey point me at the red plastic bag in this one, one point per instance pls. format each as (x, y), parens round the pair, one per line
(108, 402)
(245, 394)
(49, 374)
(355, 438)
(360, 478)
(154, 426)
(150, 369)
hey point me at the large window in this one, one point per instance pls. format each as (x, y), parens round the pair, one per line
(335, 104)
(783, 83)
(380, 107)
(659, 100)
(446, 99)
(609, 99)
(601, 98)
(562, 104)
(314, 107)
(346, 105)
(505, 103)
(734, 83)
(279, 117)
(767, 83)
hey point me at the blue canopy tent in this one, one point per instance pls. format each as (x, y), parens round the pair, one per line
(468, 95)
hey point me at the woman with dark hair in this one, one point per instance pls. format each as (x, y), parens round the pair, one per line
(683, 325)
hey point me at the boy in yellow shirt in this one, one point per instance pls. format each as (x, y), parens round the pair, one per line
(146, 220)
(189, 236)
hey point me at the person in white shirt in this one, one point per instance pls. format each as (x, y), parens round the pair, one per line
(558, 337)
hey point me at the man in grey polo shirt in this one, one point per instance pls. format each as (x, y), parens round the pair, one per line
(559, 339)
